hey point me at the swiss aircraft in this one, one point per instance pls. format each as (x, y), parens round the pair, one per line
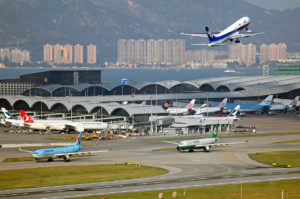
(204, 143)
(62, 152)
(234, 32)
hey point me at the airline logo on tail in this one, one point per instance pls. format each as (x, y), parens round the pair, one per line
(191, 104)
(6, 114)
(209, 34)
(234, 112)
(78, 141)
(223, 103)
(295, 101)
(166, 105)
(267, 101)
(25, 117)
(214, 134)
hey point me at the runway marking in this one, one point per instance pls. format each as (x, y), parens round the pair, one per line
(179, 187)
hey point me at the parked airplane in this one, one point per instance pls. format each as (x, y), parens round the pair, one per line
(263, 106)
(58, 125)
(291, 103)
(10, 120)
(178, 111)
(238, 29)
(204, 109)
(285, 105)
(62, 152)
(61, 125)
(203, 143)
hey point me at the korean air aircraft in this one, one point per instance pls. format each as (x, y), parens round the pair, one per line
(235, 31)
(62, 152)
(204, 143)
(10, 120)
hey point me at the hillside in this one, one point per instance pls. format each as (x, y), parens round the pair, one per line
(32, 23)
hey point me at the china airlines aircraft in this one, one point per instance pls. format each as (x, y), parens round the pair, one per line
(238, 29)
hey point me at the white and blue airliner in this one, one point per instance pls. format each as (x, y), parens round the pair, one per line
(62, 152)
(238, 29)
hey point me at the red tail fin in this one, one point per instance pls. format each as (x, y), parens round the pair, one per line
(25, 117)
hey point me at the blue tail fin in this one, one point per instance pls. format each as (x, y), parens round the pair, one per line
(78, 141)
(209, 34)
(166, 105)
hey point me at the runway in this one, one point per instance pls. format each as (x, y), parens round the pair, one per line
(224, 165)
(221, 166)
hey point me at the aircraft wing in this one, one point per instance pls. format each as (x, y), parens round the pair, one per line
(170, 142)
(27, 151)
(80, 153)
(194, 34)
(246, 34)
(223, 144)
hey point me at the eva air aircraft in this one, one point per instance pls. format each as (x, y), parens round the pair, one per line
(204, 143)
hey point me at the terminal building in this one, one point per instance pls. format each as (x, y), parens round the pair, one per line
(62, 77)
(78, 93)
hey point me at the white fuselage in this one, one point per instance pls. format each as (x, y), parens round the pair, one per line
(230, 32)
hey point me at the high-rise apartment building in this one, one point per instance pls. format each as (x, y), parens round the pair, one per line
(272, 52)
(91, 54)
(151, 52)
(68, 54)
(243, 54)
(58, 51)
(48, 53)
(78, 54)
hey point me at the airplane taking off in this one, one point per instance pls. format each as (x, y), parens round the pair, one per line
(175, 111)
(9, 119)
(62, 152)
(238, 29)
(203, 143)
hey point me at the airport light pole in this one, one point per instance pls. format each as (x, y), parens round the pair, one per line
(151, 129)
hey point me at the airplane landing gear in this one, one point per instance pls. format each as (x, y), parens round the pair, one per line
(237, 41)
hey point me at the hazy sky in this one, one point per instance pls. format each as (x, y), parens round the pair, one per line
(276, 4)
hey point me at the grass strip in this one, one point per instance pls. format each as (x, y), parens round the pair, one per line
(278, 158)
(288, 142)
(249, 190)
(51, 176)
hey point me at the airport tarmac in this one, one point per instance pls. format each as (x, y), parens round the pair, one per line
(223, 165)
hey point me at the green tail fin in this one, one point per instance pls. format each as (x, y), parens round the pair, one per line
(214, 134)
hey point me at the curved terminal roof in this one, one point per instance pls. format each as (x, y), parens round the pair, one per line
(249, 86)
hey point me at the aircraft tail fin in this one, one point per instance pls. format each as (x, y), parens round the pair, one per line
(235, 111)
(295, 101)
(25, 117)
(143, 103)
(267, 101)
(78, 141)
(166, 105)
(214, 133)
(191, 104)
(6, 114)
(223, 103)
(209, 34)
